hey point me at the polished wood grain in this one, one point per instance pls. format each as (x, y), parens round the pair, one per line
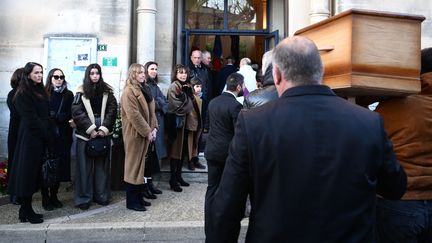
(369, 52)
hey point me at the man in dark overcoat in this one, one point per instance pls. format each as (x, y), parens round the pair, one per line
(311, 161)
(222, 111)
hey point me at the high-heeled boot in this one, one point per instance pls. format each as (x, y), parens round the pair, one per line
(46, 202)
(55, 202)
(152, 187)
(173, 180)
(26, 212)
(146, 192)
(179, 175)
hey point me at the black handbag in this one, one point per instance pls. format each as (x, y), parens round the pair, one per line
(97, 147)
(49, 169)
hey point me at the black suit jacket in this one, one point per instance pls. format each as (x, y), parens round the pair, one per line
(312, 163)
(222, 112)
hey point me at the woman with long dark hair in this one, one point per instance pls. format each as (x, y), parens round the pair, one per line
(157, 149)
(14, 121)
(180, 104)
(60, 110)
(139, 130)
(94, 111)
(34, 138)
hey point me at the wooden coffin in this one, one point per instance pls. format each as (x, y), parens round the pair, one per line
(369, 52)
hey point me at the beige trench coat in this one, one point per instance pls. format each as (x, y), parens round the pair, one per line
(138, 120)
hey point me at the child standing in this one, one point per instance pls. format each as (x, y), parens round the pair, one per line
(195, 126)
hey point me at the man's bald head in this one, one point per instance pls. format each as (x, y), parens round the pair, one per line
(298, 61)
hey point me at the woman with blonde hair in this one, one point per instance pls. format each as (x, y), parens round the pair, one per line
(139, 126)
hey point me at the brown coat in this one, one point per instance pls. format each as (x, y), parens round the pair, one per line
(180, 104)
(194, 125)
(408, 123)
(138, 120)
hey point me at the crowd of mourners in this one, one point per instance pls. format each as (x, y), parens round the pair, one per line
(48, 119)
(305, 164)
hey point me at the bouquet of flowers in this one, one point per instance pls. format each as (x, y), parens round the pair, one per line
(3, 176)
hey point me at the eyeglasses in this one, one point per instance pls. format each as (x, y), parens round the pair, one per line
(94, 73)
(57, 77)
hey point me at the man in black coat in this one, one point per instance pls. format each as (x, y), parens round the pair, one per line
(223, 75)
(311, 161)
(223, 111)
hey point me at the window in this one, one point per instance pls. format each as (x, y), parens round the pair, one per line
(248, 15)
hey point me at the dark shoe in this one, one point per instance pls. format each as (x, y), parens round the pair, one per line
(145, 203)
(191, 165)
(55, 202)
(181, 181)
(137, 208)
(178, 174)
(83, 206)
(32, 213)
(199, 165)
(175, 186)
(102, 203)
(15, 200)
(152, 187)
(47, 205)
(147, 193)
(26, 215)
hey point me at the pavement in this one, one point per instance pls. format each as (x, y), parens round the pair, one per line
(173, 217)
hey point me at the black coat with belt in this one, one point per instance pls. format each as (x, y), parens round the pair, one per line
(34, 135)
(223, 111)
(312, 163)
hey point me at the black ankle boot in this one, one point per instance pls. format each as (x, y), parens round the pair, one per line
(147, 193)
(173, 180)
(25, 212)
(178, 174)
(46, 201)
(152, 187)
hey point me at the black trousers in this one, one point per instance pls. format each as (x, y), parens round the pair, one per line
(215, 170)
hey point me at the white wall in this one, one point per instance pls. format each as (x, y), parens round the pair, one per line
(24, 23)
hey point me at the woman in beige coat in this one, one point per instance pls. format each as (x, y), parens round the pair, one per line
(139, 126)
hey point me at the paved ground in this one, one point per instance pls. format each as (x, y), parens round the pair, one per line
(173, 217)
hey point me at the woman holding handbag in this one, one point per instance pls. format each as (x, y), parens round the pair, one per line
(34, 138)
(94, 111)
(180, 97)
(139, 126)
(60, 110)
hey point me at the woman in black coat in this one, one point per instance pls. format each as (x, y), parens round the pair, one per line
(13, 122)
(60, 110)
(34, 137)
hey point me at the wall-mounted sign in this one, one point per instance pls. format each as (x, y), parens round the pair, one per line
(109, 61)
(102, 47)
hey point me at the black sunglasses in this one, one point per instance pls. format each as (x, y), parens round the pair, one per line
(57, 77)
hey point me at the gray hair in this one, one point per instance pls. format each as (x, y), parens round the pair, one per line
(266, 60)
(299, 61)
